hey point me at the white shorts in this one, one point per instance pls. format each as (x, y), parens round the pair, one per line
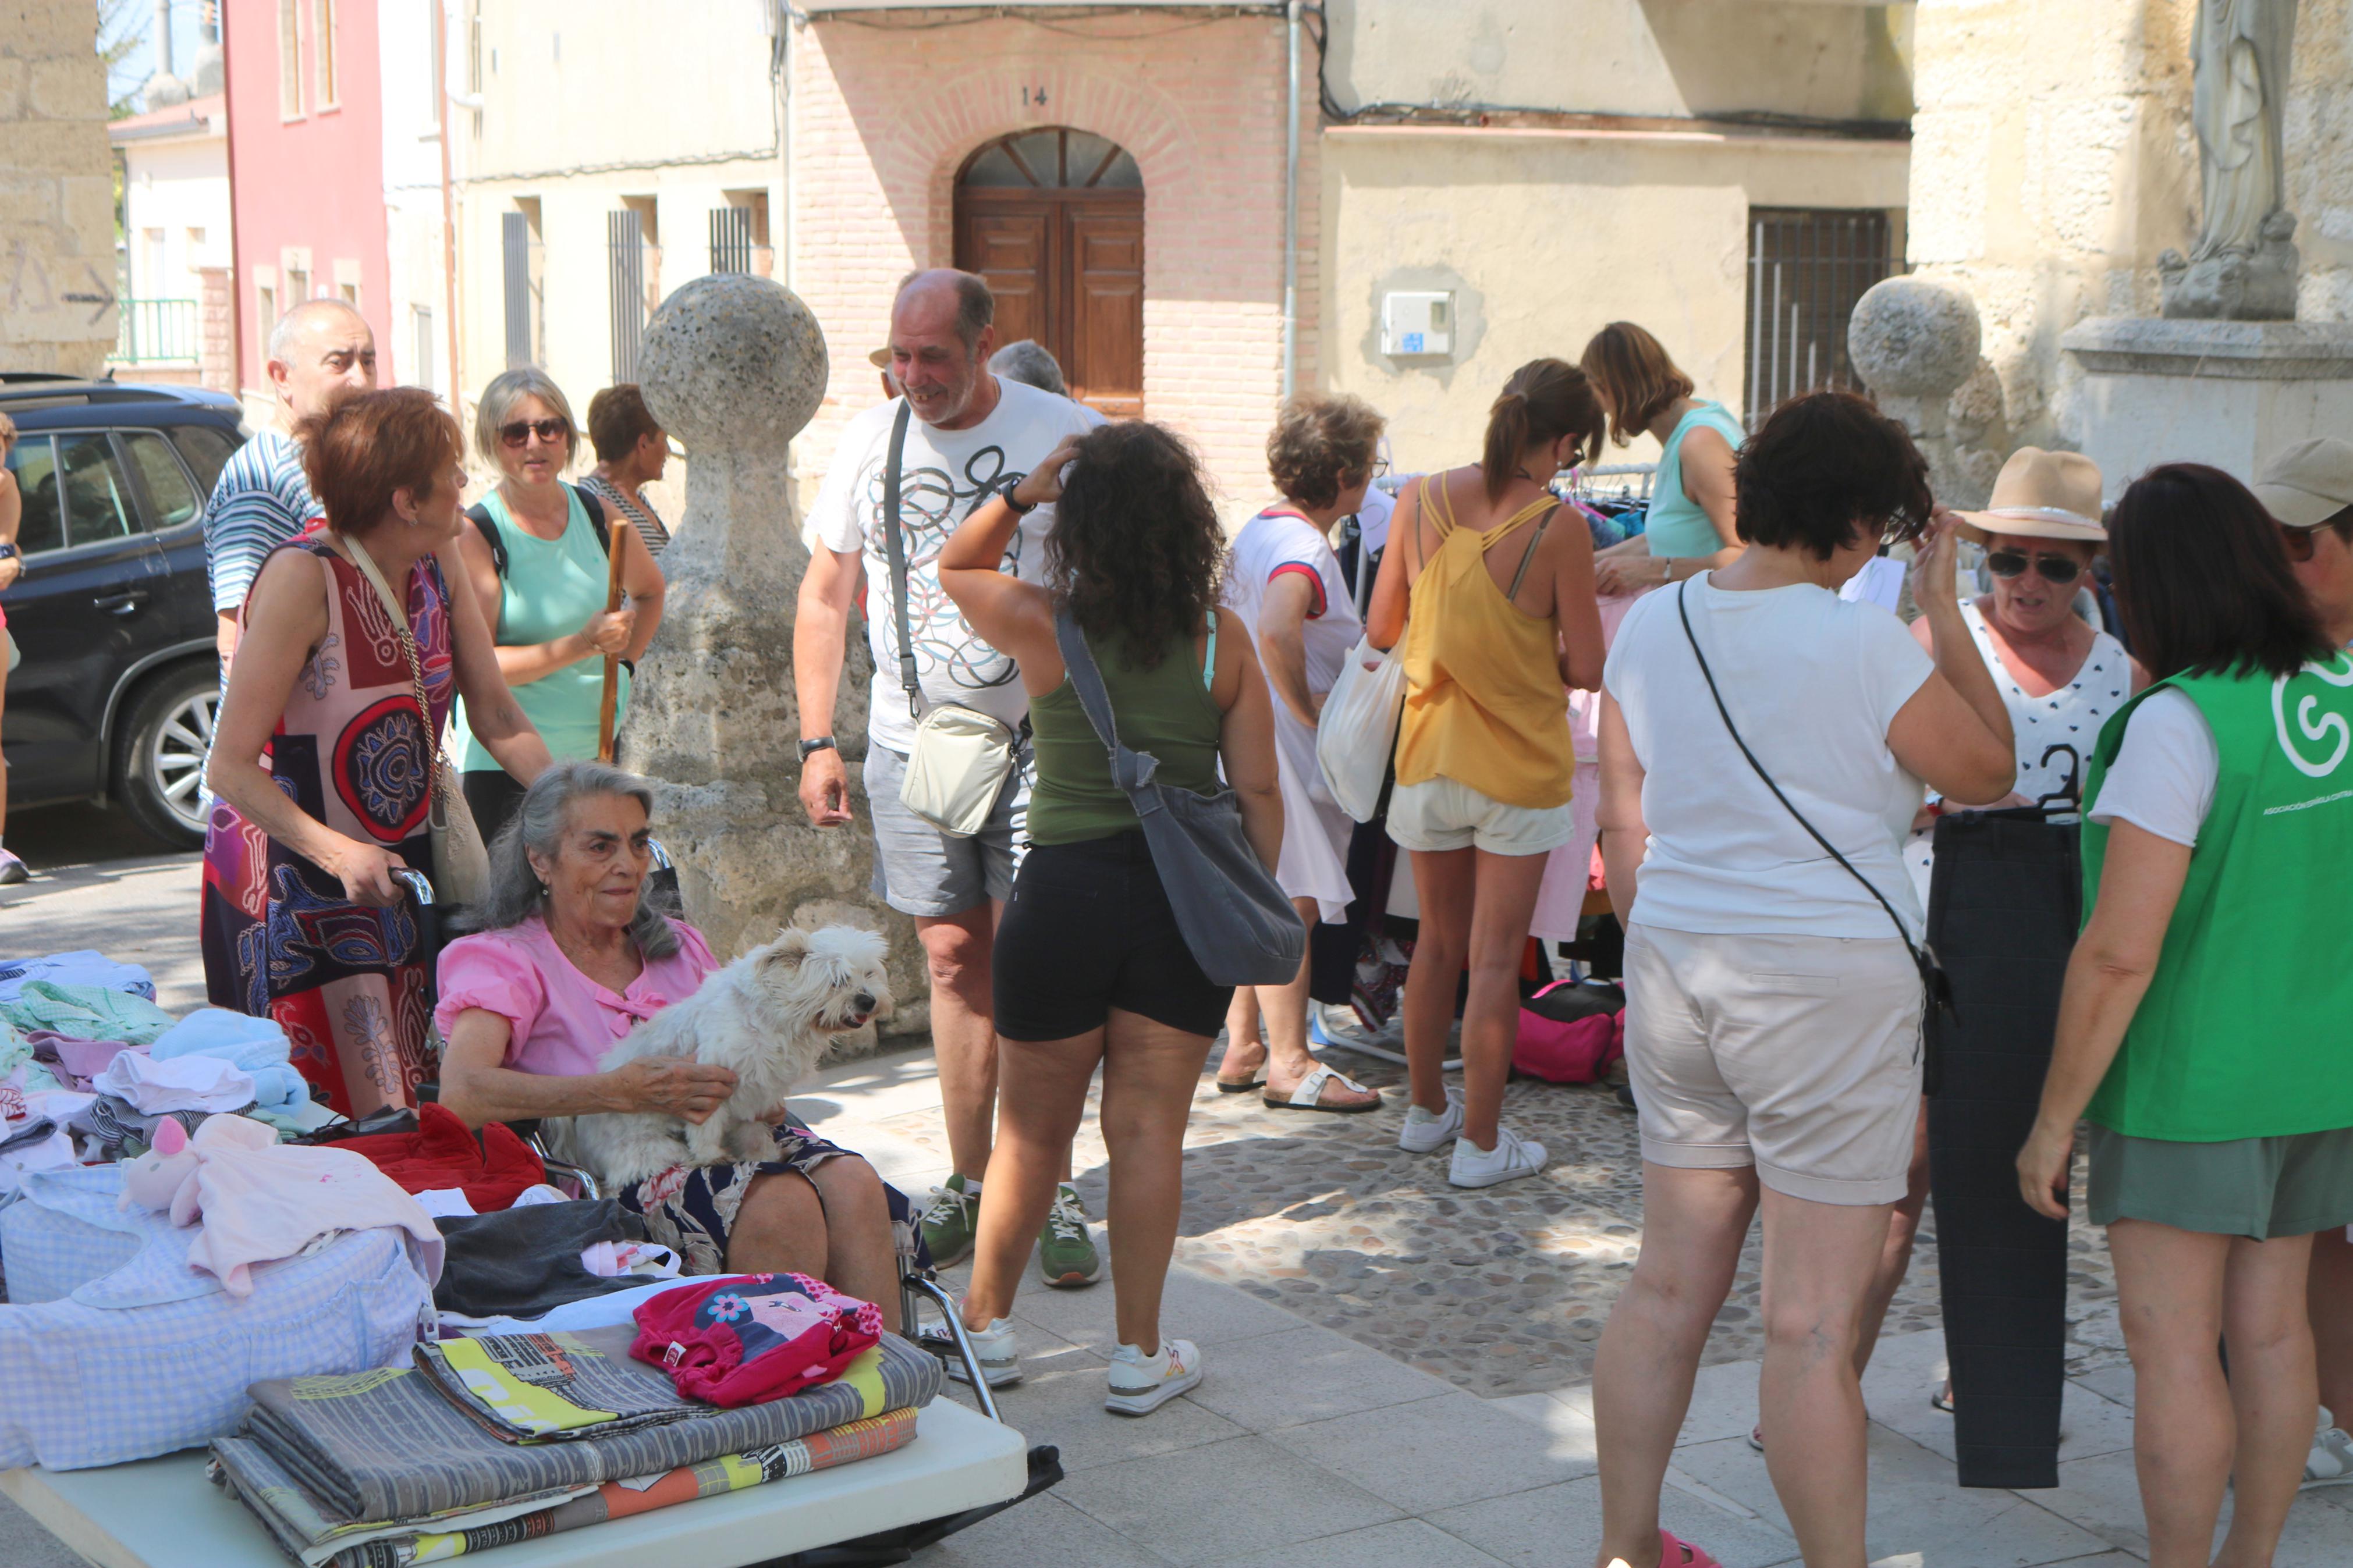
(1446, 814)
(1798, 1055)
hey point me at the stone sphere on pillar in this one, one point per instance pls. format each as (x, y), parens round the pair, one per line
(732, 362)
(1914, 337)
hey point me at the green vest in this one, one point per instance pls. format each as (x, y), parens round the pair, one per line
(2247, 1028)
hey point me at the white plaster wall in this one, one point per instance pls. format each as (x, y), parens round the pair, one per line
(175, 186)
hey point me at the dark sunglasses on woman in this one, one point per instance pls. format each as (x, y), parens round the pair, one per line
(2049, 568)
(2298, 541)
(548, 430)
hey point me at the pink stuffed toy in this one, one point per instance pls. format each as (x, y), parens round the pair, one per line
(154, 1179)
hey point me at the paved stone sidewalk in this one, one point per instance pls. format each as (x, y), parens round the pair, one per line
(1351, 1424)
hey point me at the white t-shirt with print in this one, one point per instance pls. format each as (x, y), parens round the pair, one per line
(943, 475)
(1813, 681)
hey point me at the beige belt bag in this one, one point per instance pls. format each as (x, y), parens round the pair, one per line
(957, 768)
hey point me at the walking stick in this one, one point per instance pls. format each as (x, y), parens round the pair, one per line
(612, 660)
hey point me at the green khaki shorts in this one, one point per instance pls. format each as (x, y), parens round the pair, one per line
(2255, 1187)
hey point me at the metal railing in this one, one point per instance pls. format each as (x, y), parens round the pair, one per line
(155, 329)
(1806, 270)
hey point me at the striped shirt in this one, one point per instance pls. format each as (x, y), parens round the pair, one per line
(649, 524)
(262, 499)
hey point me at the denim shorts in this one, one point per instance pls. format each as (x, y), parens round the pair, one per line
(922, 871)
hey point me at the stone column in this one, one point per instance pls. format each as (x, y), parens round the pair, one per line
(1914, 340)
(734, 365)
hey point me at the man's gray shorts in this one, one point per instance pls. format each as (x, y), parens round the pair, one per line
(922, 871)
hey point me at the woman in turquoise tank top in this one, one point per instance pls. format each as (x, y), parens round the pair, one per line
(1089, 968)
(1690, 528)
(546, 609)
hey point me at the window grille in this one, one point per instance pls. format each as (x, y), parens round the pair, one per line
(514, 234)
(625, 236)
(1806, 270)
(730, 239)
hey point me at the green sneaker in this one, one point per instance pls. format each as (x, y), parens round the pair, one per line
(950, 1221)
(1067, 1259)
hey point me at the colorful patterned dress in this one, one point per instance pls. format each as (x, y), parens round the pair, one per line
(348, 984)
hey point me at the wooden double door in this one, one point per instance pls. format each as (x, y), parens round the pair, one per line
(1067, 267)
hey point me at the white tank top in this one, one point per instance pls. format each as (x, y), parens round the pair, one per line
(2070, 716)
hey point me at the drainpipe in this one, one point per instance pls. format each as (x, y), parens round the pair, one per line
(1291, 213)
(442, 34)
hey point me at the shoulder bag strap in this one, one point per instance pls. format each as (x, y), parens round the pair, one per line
(898, 548)
(1529, 555)
(1938, 988)
(483, 524)
(1129, 769)
(595, 511)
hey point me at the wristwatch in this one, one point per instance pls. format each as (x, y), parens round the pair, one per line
(8, 553)
(1020, 508)
(821, 743)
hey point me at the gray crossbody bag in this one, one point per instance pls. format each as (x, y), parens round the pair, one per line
(1237, 920)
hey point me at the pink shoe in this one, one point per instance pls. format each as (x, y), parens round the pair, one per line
(1677, 1552)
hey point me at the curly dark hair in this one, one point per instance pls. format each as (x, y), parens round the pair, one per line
(1824, 465)
(1136, 547)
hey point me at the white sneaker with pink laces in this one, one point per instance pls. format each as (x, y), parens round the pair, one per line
(1141, 1384)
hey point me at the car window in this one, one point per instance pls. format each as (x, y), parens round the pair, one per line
(175, 499)
(34, 462)
(207, 449)
(98, 493)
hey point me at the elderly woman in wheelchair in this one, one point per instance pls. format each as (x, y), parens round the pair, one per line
(566, 958)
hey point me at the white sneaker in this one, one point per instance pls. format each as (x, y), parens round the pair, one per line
(1141, 1384)
(1424, 1133)
(2331, 1463)
(1512, 1157)
(994, 1347)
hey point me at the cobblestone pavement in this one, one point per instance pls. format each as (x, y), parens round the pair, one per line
(1502, 1291)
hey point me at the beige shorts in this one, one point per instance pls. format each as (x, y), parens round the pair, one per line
(1798, 1055)
(1445, 814)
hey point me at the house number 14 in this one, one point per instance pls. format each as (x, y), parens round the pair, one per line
(1033, 95)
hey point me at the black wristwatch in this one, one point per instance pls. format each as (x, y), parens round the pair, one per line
(8, 553)
(822, 744)
(1020, 508)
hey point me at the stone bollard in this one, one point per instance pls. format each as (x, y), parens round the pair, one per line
(733, 367)
(1914, 340)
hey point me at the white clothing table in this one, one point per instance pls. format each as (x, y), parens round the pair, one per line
(162, 1514)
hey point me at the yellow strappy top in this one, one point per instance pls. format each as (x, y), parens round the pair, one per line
(1484, 702)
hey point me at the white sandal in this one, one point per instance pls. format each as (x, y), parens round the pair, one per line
(1309, 1095)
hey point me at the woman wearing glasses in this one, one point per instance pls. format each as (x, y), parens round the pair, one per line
(535, 556)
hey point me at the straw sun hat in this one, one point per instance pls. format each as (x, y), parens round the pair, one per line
(2041, 495)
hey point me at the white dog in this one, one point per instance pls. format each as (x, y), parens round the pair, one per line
(766, 1017)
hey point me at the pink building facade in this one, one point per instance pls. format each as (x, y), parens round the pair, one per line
(887, 122)
(306, 161)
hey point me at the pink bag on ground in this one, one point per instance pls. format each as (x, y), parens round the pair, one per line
(1576, 1050)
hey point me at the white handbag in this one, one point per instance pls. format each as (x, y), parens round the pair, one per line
(1357, 736)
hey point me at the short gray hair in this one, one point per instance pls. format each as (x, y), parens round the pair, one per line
(290, 325)
(538, 824)
(1030, 362)
(976, 306)
(510, 387)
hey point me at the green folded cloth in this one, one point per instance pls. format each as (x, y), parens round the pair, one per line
(87, 1013)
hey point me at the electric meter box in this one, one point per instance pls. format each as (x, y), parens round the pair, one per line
(1417, 323)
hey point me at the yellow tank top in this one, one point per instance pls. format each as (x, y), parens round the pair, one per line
(1484, 702)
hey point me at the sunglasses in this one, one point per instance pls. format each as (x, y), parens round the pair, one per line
(548, 430)
(2298, 541)
(2007, 563)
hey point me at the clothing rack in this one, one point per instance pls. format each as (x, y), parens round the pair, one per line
(1606, 481)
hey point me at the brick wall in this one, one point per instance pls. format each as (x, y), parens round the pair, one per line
(883, 117)
(216, 329)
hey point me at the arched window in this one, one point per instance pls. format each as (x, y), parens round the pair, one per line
(1054, 220)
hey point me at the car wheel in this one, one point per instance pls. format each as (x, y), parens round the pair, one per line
(158, 754)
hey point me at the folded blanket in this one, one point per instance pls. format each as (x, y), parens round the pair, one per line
(386, 1446)
(558, 1387)
(319, 1539)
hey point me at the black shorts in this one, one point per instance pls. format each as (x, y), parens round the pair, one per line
(1089, 929)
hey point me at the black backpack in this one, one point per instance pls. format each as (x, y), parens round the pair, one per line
(489, 531)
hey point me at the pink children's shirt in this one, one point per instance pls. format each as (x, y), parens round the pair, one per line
(562, 1023)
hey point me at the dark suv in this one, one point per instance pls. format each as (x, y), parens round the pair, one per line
(115, 697)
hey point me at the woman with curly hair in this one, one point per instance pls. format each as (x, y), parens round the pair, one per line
(1090, 968)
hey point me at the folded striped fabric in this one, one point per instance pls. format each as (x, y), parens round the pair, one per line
(388, 1444)
(317, 1538)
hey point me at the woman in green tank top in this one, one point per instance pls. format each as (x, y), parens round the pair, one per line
(546, 607)
(2202, 1030)
(1089, 966)
(1690, 526)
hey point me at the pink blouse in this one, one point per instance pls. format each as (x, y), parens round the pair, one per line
(560, 1021)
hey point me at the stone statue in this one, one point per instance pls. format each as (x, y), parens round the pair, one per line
(734, 365)
(2243, 266)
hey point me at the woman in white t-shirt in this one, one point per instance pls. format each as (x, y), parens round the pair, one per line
(1773, 1009)
(1284, 581)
